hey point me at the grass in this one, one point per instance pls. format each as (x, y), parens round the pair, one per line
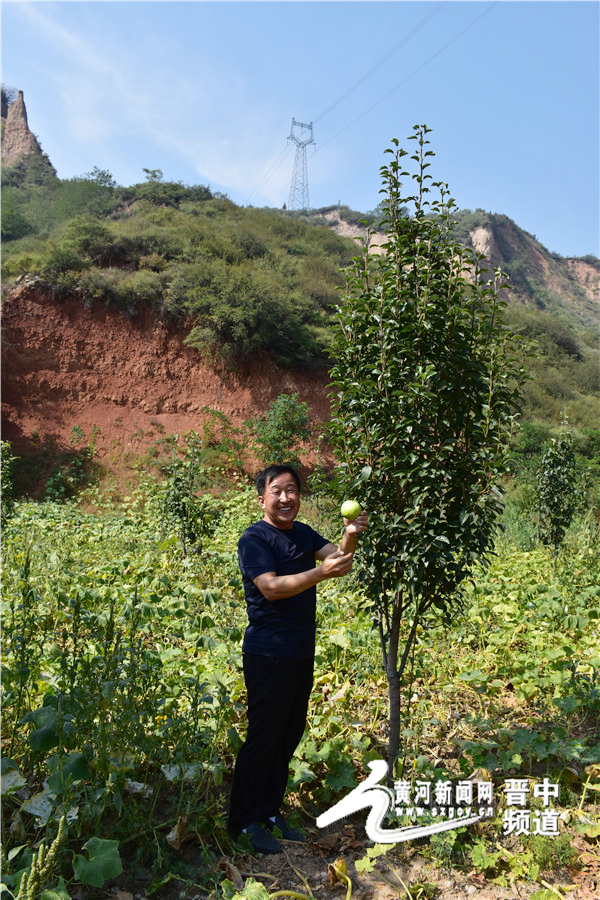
(124, 701)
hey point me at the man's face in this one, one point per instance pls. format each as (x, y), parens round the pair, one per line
(281, 501)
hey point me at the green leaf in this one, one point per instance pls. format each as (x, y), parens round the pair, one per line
(43, 739)
(253, 890)
(343, 776)
(45, 735)
(364, 865)
(543, 894)
(590, 829)
(58, 893)
(14, 851)
(104, 862)
(74, 768)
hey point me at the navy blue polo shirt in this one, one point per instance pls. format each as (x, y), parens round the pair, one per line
(286, 627)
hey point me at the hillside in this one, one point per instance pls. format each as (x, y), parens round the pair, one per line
(537, 278)
(136, 308)
(65, 365)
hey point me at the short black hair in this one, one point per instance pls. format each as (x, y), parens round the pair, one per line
(267, 475)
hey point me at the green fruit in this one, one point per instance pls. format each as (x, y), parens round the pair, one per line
(350, 509)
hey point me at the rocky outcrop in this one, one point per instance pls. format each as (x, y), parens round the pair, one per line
(19, 144)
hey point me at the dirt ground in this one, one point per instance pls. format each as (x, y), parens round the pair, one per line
(312, 870)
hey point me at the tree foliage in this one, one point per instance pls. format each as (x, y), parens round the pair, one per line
(281, 431)
(7, 493)
(426, 383)
(557, 489)
(190, 515)
(9, 95)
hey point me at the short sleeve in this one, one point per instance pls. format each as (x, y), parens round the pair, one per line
(255, 556)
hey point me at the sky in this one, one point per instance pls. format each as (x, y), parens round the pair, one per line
(207, 91)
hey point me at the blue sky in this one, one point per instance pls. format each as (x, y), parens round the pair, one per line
(206, 91)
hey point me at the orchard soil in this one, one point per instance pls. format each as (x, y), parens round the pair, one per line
(308, 869)
(310, 866)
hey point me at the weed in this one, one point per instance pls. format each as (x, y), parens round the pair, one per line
(123, 695)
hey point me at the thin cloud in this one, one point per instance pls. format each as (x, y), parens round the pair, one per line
(109, 95)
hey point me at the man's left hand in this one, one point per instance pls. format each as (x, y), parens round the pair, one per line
(356, 526)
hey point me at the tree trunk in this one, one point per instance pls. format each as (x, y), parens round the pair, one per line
(393, 678)
(395, 671)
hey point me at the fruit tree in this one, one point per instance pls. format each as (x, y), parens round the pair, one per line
(425, 384)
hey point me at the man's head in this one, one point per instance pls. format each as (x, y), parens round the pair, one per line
(278, 489)
(264, 478)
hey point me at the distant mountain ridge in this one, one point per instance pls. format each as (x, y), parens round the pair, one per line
(537, 277)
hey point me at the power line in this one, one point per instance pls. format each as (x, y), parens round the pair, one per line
(415, 30)
(404, 40)
(284, 153)
(408, 77)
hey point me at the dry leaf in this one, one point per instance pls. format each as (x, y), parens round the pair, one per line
(327, 843)
(231, 872)
(349, 840)
(337, 874)
(175, 836)
(341, 693)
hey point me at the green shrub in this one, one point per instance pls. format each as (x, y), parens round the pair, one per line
(136, 291)
(166, 193)
(14, 224)
(557, 490)
(281, 431)
(238, 312)
(7, 492)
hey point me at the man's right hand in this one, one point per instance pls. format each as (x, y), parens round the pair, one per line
(337, 564)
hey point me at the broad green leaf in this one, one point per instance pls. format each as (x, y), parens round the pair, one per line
(103, 862)
(44, 739)
(253, 890)
(74, 768)
(7, 763)
(58, 893)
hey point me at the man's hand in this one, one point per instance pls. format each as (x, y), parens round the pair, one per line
(337, 564)
(346, 547)
(355, 526)
(277, 587)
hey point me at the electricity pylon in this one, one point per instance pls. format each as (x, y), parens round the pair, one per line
(299, 186)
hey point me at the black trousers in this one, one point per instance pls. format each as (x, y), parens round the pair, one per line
(278, 693)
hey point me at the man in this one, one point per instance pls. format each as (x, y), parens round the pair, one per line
(277, 558)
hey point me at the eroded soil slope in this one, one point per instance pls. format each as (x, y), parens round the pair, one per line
(64, 366)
